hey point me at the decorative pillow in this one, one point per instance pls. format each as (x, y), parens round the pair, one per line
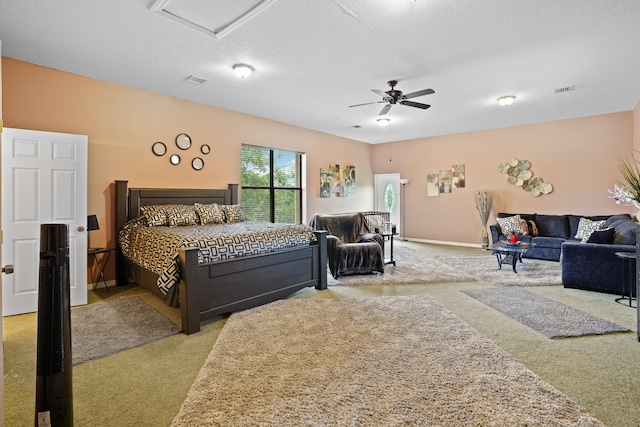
(512, 223)
(155, 215)
(524, 227)
(210, 214)
(179, 215)
(533, 230)
(604, 236)
(586, 227)
(234, 213)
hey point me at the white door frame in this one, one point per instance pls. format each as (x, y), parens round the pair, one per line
(380, 183)
(44, 179)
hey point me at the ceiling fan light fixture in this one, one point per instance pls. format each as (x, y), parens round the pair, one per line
(384, 121)
(506, 100)
(242, 70)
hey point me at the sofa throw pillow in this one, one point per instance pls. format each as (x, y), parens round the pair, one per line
(586, 227)
(210, 214)
(524, 227)
(511, 224)
(533, 230)
(603, 236)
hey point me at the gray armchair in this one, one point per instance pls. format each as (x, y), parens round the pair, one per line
(351, 247)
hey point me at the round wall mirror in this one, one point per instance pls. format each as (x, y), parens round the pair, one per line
(205, 149)
(197, 163)
(159, 149)
(174, 159)
(183, 141)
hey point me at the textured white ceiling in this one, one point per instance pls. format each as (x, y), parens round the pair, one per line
(314, 58)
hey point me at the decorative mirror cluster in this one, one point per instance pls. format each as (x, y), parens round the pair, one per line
(520, 174)
(183, 142)
(159, 149)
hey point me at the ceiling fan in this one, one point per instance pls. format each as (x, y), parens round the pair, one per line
(394, 96)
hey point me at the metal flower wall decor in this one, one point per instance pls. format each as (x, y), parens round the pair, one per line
(520, 174)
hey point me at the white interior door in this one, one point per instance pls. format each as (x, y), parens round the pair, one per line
(387, 196)
(44, 179)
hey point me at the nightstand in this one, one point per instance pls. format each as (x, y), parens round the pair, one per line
(106, 252)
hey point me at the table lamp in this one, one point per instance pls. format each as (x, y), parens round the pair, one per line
(92, 224)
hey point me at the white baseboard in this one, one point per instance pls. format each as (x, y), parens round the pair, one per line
(442, 242)
(110, 284)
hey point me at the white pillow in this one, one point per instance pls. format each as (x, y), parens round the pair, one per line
(586, 227)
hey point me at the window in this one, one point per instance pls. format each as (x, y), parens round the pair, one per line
(271, 184)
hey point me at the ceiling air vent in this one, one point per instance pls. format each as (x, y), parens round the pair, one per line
(196, 80)
(564, 89)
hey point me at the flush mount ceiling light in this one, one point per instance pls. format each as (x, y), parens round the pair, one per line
(242, 70)
(383, 121)
(506, 100)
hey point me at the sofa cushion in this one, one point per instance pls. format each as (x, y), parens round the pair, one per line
(553, 226)
(625, 233)
(586, 227)
(511, 224)
(548, 242)
(625, 229)
(574, 220)
(602, 236)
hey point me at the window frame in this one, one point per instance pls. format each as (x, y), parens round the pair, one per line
(272, 188)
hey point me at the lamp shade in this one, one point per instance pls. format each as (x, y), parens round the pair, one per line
(92, 223)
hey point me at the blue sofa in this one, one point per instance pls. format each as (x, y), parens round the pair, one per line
(590, 265)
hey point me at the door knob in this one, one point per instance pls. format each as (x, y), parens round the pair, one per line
(7, 269)
(81, 229)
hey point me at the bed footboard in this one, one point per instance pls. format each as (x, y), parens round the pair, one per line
(210, 289)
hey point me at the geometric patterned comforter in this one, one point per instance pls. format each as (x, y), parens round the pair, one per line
(156, 248)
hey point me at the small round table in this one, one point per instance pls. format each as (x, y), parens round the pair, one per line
(628, 258)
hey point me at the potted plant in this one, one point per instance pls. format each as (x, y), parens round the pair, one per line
(628, 191)
(484, 202)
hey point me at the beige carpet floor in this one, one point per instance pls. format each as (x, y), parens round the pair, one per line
(99, 330)
(411, 267)
(485, 267)
(384, 361)
(545, 315)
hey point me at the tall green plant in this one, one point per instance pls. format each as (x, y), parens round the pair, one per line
(630, 170)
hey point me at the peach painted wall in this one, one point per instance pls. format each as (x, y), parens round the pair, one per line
(579, 157)
(122, 123)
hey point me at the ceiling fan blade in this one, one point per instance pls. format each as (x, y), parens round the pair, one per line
(415, 104)
(379, 92)
(419, 93)
(366, 103)
(384, 110)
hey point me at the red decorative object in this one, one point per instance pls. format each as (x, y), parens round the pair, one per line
(513, 238)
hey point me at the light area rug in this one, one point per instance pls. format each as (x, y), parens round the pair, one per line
(99, 330)
(544, 315)
(485, 267)
(380, 361)
(411, 267)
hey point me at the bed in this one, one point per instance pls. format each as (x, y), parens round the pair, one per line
(207, 289)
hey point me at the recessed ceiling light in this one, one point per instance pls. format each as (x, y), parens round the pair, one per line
(243, 70)
(506, 100)
(383, 121)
